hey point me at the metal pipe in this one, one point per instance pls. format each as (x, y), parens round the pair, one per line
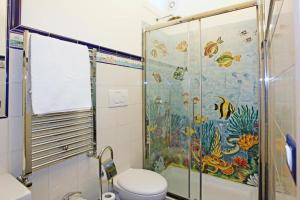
(94, 102)
(36, 167)
(201, 114)
(59, 146)
(100, 166)
(60, 152)
(61, 126)
(65, 138)
(160, 18)
(269, 20)
(144, 59)
(219, 11)
(40, 122)
(27, 167)
(59, 133)
(62, 113)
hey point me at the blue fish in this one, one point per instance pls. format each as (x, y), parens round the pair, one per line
(246, 75)
(234, 74)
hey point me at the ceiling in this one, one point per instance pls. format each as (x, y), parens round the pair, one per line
(185, 7)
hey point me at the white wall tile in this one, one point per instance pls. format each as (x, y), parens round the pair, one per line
(125, 115)
(137, 130)
(63, 178)
(118, 76)
(15, 66)
(124, 133)
(16, 133)
(107, 117)
(102, 96)
(40, 184)
(135, 95)
(15, 162)
(3, 162)
(88, 179)
(136, 155)
(3, 135)
(15, 100)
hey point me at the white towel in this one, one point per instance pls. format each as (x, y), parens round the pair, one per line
(60, 75)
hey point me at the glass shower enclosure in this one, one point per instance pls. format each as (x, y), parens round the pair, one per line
(201, 104)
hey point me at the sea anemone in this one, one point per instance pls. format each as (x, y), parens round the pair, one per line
(253, 180)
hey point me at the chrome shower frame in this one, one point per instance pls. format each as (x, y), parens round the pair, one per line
(264, 187)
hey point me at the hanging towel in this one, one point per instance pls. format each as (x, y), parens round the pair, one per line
(60, 75)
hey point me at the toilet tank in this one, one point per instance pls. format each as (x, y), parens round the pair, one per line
(11, 189)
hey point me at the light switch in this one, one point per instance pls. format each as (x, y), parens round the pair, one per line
(118, 98)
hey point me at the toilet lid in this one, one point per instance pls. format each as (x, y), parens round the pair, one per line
(143, 182)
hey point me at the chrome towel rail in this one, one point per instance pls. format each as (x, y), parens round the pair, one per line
(51, 138)
(66, 156)
(51, 142)
(60, 133)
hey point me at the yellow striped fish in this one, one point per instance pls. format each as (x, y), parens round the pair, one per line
(225, 108)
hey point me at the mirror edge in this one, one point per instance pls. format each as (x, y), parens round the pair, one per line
(7, 60)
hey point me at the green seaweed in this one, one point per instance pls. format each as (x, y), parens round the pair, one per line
(178, 122)
(152, 111)
(243, 121)
(207, 139)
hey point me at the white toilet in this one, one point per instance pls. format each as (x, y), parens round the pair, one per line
(140, 184)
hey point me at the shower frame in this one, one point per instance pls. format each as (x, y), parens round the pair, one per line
(264, 187)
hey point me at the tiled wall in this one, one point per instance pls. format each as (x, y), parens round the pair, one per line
(120, 127)
(11, 128)
(282, 96)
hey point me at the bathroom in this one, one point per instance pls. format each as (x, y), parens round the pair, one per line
(195, 98)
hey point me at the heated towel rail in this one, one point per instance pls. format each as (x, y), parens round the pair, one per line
(51, 138)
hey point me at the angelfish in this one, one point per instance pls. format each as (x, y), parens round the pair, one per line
(225, 108)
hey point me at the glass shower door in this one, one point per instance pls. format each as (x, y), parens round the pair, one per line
(172, 103)
(230, 102)
(202, 105)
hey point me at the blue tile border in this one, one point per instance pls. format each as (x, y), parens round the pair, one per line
(15, 26)
(105, 55)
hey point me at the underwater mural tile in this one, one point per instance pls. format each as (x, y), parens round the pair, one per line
(212, 109)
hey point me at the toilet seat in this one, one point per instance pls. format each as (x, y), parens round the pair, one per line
(140, 184)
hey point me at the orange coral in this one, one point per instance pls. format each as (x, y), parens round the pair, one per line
(228, 171)
(247, 141)
(213, 164)
(239, 161)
